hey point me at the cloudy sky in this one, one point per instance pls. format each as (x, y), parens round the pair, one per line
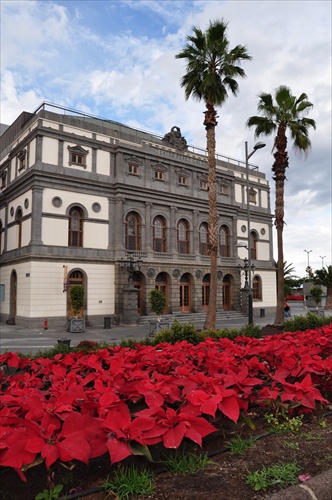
(115, 59)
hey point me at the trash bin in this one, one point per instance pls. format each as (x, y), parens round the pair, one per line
(262, 313)
(65, 342)
(107, 321)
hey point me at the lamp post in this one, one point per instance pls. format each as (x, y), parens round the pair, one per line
(308, 268)
(322, 257)
(258, 145)
(132, 266)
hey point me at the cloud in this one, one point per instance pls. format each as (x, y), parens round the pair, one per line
(116, 60)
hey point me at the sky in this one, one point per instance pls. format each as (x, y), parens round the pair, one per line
(116, 59)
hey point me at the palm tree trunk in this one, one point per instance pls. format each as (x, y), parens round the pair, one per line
(210, 124)
(279, 169)
(328, 304)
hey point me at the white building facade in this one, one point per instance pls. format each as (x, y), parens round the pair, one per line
(79, 195)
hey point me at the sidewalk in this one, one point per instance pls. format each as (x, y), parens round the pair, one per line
(17, 338)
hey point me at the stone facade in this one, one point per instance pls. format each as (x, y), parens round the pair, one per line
(79, 195)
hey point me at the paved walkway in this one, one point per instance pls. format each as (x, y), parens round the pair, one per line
(25, 340)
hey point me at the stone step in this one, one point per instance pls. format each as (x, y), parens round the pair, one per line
(195, 318)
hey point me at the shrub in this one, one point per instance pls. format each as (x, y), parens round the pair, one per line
(252, 330)
(87, 345)
(179, 332)
(309, 321)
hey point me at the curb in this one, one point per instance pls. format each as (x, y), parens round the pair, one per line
(317, 488)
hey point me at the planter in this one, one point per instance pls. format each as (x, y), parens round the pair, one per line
(76, 325)
(157, 326)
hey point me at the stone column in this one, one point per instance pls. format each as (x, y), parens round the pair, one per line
(148, 224)
(36, 216)
(6, 229)
(195, 238)
(130, 302)
(117, 224)
(173, 232)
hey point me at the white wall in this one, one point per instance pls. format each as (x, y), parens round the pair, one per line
(103, 162)
(40, 294)
(50, 151)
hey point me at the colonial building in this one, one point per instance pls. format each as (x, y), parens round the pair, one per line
(94, 202)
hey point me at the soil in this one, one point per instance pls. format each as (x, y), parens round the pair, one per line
(225, 479)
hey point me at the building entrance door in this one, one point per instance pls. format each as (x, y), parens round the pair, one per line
(13, 295)
(227, 298)
(74, 278)
(206, 292)
(162, 286)
(185, 293)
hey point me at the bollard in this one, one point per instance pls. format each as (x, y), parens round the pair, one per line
(65, 342)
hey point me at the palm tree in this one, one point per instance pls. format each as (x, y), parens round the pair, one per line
(282, 115)
(324, 277)
(212, 69)
(290, 280)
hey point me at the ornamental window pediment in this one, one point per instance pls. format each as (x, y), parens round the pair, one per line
(22, 159)
(134, 165)
(77, 156)
(183, 177)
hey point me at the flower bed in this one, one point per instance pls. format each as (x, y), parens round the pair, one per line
(120, 401)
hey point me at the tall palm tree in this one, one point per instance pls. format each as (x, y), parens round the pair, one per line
(212, 69)
(285, 113)
(324, 277)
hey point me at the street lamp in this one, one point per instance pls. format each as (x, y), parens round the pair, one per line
(131, 266)
(308, 268)
(258, 145)
(322, 257)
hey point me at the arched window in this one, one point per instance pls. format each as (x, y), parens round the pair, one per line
(19, 217)
(159, 234)
(253, 245)
(257, 288)
(224, 242)
(75, 236)
(203, 239)
(133, 231)
(183, 237)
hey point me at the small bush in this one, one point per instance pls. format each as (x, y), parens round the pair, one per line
(252, 330)
(179, 332)
(50, 353)
(87, 345)
(309, 321)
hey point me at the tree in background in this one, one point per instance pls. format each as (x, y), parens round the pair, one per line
(290, 280)
(281, 113)
(324, 277)
(316, 293)
(212, 70)
(157, 301)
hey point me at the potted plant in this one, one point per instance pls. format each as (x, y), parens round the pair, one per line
(316, 293)
(157, 301)
(76, 293)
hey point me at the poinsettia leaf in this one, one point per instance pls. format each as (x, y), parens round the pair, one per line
(173, 437)
(230, 407)
(140, 449)
(153, 399)
(118, 449)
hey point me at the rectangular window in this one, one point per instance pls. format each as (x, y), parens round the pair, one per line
(183, 181)
(159, 176)
(133, 169)
(2, 293)
(22, 163)
(77, 159)
(203, 185)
